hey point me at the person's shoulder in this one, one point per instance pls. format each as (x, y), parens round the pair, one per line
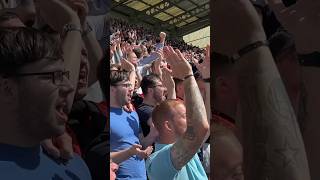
(78, 166)
(115, 111)
(145, 108)
(160, 152)
(133, 114)
(160, 163)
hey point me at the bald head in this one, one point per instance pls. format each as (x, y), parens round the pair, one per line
(163, 112)
(227, 156)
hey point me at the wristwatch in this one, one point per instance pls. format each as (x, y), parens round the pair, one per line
(207, 80)
(70, 27)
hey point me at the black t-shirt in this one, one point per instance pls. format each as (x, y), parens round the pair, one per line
(144, 112)
(87, 122)
(97, 157)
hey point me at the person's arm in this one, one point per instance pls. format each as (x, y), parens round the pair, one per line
(59, 147)
(95, 53)
(197, 124)
(129, 67)
(160, 45)
(168, 82)
(151, 137)
(119, 48)
(157, 63)
(204, 68)
(135, 149)
(273, 146)
(162, 37)
(148, 60)
(71, 43)
(116, 56)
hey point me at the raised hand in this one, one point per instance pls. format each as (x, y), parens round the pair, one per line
(48, 11)
(129, 107)
(167, 78)
(302, 21)
(180, 66)
(162, 35)
(81, 7)
(59, 147)
(127, 65)
(204, 67)
(157, 64)
(230, 14)
(143, 154)
(136, 149)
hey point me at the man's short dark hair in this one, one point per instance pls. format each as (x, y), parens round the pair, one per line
(149, 81)
(138, 52)
(20, 46)
(118, 75)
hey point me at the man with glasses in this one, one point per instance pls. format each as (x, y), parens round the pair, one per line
(34, 93)
(129, 147)
(153, 94)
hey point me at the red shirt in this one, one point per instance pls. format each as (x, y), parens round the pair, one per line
(224, 120)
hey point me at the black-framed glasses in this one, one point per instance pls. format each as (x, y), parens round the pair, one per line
(158, 85)
(56, 76)
(126, 85)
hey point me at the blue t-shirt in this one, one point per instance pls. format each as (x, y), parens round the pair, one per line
(18, 163)
(159, 165)
(124, 132)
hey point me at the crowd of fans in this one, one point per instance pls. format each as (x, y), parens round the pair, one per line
(138, 34)
(265, 94)
(50, 53)
(159, 100)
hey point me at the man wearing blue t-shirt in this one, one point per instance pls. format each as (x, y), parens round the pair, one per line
(35, 92)
(129, 147)
(182, 128)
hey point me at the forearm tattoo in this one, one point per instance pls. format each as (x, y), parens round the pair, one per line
(273, 144)
(187, 146)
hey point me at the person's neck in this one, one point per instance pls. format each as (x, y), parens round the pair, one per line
(149, 101)
(166, 139)
(114, 104)
(13, 136)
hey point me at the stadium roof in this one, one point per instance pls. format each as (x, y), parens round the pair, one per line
(182, 16)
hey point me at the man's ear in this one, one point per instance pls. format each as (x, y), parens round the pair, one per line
(112, 89)
(150, 90)
(168, 125)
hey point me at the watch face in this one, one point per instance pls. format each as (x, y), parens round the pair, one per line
(71, 27)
